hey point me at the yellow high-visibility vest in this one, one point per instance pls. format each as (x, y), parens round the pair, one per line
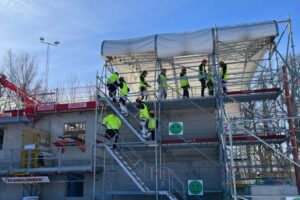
(124, 89)
(112, 122)
(163, 81)
(226, 77)
(113, 78)
(144, 114)
(210, 76)
(184, 81)
(143, 84)
(152, 123)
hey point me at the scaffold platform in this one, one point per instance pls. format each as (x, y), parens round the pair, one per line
(211, 101)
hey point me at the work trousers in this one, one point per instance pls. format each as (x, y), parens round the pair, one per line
(186, 92)
(112, 135)
(203, 86)
(143, 92)
(152, 132)
(224, 84)
(112, 91)
(210, 87)
(162, 93)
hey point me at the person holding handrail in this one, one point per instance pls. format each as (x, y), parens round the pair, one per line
(144, 117)
(123, 93)
(112, 123)
(112, 85)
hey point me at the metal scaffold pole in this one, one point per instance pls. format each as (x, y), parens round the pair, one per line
(292, 128)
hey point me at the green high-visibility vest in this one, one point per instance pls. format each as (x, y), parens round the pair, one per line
(124, 89)
(163, 81)
(112, 122)
(143, 84)
(210, 76)
(226, 77)
(144, 114)
(184, 81)
(113, 78)
(152, 123)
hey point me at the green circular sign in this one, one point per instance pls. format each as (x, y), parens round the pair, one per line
(195, 187)
(297, 198)
(176, 128)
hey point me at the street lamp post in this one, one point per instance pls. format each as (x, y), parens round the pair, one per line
(56, 43)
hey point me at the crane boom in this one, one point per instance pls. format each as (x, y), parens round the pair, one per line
(25, 97)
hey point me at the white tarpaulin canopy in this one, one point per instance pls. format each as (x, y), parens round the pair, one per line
(241, 46)
(188, 43)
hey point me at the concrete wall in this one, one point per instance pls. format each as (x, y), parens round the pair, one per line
(54, 124)
(186, 162)
(56, 189)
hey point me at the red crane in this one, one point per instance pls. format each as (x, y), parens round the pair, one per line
(29, 102)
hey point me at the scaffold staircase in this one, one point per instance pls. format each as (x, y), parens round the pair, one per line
(130, 120)
(128, 167)
(131, 163)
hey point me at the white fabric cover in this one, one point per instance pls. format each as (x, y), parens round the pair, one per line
(129, 46)
(188, 43)
(246, 33)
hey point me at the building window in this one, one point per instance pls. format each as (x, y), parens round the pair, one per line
(1, 138)
(76, 129)
(75, 185)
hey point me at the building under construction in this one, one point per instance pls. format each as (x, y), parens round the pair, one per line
(53, 146)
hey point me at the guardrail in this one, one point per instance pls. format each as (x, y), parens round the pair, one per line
(48, 159)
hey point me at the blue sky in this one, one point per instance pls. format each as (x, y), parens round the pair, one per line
(81, 26)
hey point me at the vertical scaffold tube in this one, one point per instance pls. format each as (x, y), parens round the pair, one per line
(292, 128)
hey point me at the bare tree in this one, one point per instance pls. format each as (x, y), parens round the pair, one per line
(22, 70)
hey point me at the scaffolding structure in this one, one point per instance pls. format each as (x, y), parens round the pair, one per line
(258, 112)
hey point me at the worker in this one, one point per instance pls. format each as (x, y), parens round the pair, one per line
(224, 75)
(123, 92)
(258, 179)
(144, 85)
(144, 117)
(112, 124)
(210, 81)
(184, 83)
(202, 75)
(152, 125)
(112, 85)
(162, 84)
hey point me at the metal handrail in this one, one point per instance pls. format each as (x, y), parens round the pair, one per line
(54, 158)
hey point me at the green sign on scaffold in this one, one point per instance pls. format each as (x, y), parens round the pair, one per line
(195, 187)
(175, 128)
(293, 198)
